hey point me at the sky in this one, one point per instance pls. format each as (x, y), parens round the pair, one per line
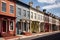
(52, 6)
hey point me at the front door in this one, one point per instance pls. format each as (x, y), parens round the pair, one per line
(24, 26)
(4, 25)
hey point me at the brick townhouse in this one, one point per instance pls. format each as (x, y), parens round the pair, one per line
(7, 18)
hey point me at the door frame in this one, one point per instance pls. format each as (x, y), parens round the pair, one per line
(6, 24)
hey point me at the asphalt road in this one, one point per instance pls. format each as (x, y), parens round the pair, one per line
(49, 37)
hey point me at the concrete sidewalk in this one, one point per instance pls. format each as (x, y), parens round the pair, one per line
(39, 34)
(23, 36)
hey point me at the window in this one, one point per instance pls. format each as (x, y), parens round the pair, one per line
(28, 14)
(19, 11)
(38, 16)
(11, 25)
(31, 14)
(35, 15)
(11, 9)
(24, 12)
(41, 17)
(3, 7)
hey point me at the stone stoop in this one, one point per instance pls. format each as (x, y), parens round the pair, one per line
(28, 34)
(12, 38)
(1, 38)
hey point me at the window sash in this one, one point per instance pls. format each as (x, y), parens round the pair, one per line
(28, 14)
(19, 11)
(24, 12)
(3, 7)
(31, 14)
(11, 9)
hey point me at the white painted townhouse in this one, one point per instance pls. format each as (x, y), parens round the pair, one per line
(37, 19)
(23, 16)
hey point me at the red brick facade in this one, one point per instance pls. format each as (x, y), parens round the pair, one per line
(6, 18)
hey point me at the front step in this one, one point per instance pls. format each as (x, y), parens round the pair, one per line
(1, 39)
(5, 35)
(12, 38)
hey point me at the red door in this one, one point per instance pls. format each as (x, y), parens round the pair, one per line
(46, 27)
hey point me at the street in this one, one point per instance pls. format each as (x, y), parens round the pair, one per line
(49, 37)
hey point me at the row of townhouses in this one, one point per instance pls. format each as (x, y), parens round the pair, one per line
(17, 17)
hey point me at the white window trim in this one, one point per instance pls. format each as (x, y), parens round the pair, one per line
(12, 4)
(9, 26)
(1, 5)
(4, 1)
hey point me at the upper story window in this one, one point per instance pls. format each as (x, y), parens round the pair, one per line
(28, 14)
(24, 12)
(46, 18)
(11, 9)
(3, 6)
(41, 17)
(38, 17)
(31, 14)
(19, 11)
(35, 16)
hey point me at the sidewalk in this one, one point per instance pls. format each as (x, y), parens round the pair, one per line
(39, 34)
(23, 36)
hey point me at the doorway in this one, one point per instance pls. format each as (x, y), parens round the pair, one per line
(4, 25)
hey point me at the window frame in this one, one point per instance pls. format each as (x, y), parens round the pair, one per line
(35, 16)
(19, 9)
(1, 6)
(13, 25)
(32, 15)
(24, 13)
(10, 8)
(28, 14)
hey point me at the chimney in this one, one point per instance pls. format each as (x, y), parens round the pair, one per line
(37, 7)
(44, 10)
(31, 3)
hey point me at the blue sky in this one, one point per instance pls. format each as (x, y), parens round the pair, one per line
(52, 6)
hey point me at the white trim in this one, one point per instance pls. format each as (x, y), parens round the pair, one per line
(12, 4)
(4, 1)
(13, 25)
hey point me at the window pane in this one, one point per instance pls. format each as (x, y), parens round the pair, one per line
(31, 14)
(28, 14)
(11, 9)
(3, 6)
(38, 17)
(35, 15)
(19, 11)
(24, 12)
